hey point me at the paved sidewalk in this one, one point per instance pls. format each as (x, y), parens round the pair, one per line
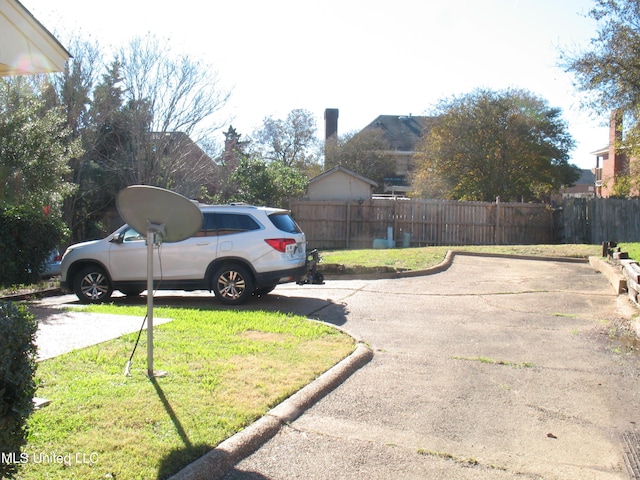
(61, 331)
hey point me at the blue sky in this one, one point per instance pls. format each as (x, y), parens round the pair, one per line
(364, 57)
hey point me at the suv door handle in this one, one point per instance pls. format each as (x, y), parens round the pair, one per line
(202, 244)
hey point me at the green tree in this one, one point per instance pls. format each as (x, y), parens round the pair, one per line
(72, 90)
(489, 144)
(75, 93)
(365, 153)
(138, 117)
(121, 142)
(223, 187)
(609, 72)
(260, 182)
(35, 148)
(93, 108)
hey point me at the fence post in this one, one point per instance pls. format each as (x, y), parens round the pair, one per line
(497, 232)
(347, 227)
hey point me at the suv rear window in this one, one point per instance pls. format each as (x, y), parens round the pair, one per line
(227, 223)
(284, 222)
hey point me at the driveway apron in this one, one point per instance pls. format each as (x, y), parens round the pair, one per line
(494, 369)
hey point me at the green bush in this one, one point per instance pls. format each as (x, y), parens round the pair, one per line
(27, 237)
(17, 386)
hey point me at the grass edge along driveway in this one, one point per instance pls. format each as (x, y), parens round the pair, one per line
(226, 369)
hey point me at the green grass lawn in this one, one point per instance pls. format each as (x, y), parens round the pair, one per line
(225, 370)
(633, 249)
(425, 257)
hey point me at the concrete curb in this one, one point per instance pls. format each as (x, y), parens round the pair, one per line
(17, 297)
(446, 263)
(220, 460)
(523, 257)
(613, 274)
(441, 267)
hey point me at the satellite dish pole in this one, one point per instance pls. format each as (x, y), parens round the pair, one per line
(154, 236)
(164, 216)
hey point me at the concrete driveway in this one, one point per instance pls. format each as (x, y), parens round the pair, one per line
(496, 368)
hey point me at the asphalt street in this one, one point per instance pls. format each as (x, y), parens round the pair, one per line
(493, 369)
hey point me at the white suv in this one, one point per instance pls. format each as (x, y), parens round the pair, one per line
(239, 251)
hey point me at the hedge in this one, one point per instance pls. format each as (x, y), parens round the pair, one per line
(17, 384)
(27, 237)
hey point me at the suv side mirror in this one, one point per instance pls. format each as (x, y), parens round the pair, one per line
(118, 238)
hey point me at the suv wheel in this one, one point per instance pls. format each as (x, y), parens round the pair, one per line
(92, 285)
(232, 284)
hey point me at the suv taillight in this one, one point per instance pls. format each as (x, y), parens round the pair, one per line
(280, 244)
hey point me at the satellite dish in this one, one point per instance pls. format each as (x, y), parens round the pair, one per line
(141, 205)
(161, 216)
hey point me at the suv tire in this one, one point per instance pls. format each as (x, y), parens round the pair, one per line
(92, 285)
(232, 284)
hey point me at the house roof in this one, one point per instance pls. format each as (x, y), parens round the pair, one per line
(340, 168)
(401, 132)
(601, 151)
(26, 46)
(587, 177)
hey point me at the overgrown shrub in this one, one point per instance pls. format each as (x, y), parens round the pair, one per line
(17, 385)
(27, 237)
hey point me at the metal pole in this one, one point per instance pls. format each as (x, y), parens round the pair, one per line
(151, 237)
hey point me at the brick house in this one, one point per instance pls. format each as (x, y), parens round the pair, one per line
(611, 162)
(188, 164)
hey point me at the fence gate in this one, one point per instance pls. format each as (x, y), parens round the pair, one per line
(597, 220)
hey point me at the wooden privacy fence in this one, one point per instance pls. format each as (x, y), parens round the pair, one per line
(598, 220)
(352, 224)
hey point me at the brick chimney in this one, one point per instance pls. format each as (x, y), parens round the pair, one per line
(615, 127)
(615, 163)
(330, 123)
(330, 129)
(620, 165)
(231, 144)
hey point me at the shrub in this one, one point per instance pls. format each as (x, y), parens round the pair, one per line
(17, 385)
(27, 236)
